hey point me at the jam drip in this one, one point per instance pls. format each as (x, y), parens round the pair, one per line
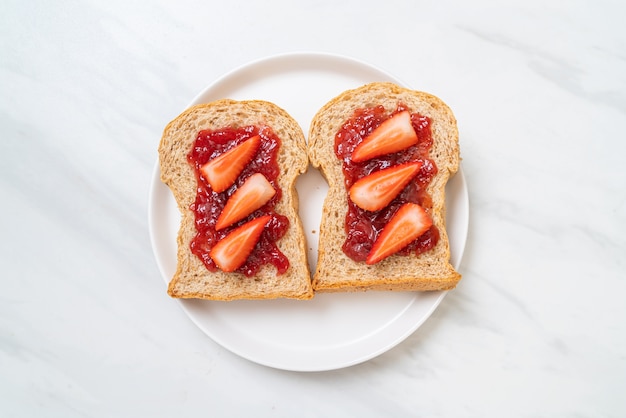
(362, 227)
(209, 204)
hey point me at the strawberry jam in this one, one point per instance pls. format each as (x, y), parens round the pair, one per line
(363, 227)
(208, 204)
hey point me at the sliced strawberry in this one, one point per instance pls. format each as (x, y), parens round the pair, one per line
(254, 193)
(405, 226)
(232, 251)
(393, 135)
(377, 190)
(222, 171)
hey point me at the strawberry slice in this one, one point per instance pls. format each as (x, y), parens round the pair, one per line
(251, 195)
(222, 171)
(377, 190)
(393, 135)
(406, 225)
(232, 251)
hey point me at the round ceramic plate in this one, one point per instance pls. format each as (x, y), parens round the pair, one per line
(330, 331)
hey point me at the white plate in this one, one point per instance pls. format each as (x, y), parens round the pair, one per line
(332, 330)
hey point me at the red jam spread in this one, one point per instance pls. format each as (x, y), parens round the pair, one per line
(362, 227)
(208, 204)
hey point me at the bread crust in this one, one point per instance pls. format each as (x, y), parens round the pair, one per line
(192, 279)
(336, 272)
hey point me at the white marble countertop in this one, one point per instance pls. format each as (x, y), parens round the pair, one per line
(535, 328)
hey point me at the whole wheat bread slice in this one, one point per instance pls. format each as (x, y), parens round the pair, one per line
(337, 272)
(192, 279)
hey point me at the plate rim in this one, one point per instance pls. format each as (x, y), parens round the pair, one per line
(329, 365)
(291, 55)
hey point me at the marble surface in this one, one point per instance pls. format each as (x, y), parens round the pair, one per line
(535, 328)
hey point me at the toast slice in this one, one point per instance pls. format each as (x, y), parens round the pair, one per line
(192, 279)
(428, 271)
